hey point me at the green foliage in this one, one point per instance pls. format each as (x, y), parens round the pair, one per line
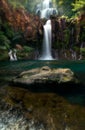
(16, 3)
(8, 37)
(79, 5)
(17, 37)
(26, 53)
(28, 4)
(65, 7)
(76, 48)
(4, 41)
(7, 30)
(3, 53)
(82, 50)
(27, 49)
(6, 34)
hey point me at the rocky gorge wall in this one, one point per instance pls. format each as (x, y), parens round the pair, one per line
(20, 19)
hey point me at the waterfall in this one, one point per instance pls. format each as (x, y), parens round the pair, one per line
(12, 55)
(46, 49)
(45, 9)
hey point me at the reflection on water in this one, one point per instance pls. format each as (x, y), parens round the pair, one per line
(8, 70)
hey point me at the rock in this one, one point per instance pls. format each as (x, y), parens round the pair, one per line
(20, 19)
(19, 47)
(45, 75)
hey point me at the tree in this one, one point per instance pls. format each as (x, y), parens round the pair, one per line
(65, 7)
(79, 5)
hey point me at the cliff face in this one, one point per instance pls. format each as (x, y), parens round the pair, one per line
(20, 19)
(68, 30)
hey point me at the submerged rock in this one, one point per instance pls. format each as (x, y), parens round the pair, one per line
(46, 75)
(23, 110)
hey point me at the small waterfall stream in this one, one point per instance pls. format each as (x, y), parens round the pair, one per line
(12, 55)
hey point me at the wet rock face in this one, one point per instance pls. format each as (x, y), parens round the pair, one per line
(20, 19)
(45, 75)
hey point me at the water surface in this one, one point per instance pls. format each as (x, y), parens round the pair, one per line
(8, 70)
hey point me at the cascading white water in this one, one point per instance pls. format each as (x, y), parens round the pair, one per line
(12, 55)
(46, 4)
(46, 51)
(45, 12)
(47, 9)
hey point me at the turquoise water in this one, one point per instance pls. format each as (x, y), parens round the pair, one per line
(8, 70)
(77, 66)
(15, 67)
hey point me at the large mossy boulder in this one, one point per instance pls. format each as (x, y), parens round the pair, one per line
(45, 75)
